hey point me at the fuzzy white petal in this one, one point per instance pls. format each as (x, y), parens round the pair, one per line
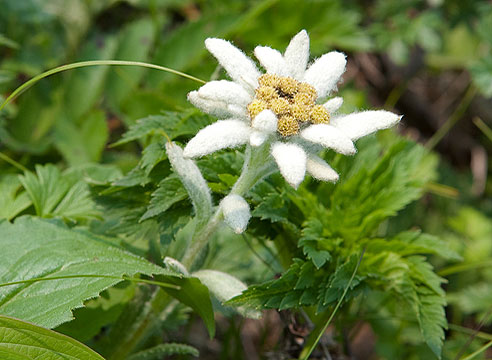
(219, 135)
(265, 121)
(333, 104)
(271, 60)
(236, 212)
(226, 91)
(257, 138)
(360, 124)
(325, 72)
(239, 67)
(319, 169)
(291, 161)
(330, 137)
(220, 109)
(297, 55)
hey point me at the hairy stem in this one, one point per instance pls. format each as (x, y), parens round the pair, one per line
(256, 166)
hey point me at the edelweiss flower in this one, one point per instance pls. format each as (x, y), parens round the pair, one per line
(281, 106)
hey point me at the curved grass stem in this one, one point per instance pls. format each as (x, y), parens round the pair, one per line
(82, 64)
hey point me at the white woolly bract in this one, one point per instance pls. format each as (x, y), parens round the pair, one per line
(265, 121)
(297, 55)
(333, 104)
(226, 91)
(220, 109)
(360, 124)
(236, 212)
(319, 169)
(224, 287)
(257, 138)
(175, 265)
(219, 135)
(330, 137)
(239, 67)
(192, 179)
(272, 60)
(291, 161)
(325, 72)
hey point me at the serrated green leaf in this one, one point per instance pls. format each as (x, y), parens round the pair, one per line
(53, 251)
(164, 350)
(20, 340)
(152, 155)
(172, 124)
(272, 208)
(12, 200)
(169, 192)
(413, 243)
(55, 194)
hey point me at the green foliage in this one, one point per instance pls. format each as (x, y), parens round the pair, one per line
(21, 340)
(13, 200)
(193, 293)
(301, 246)
(57, 251)
(58, 194)
(164, 350)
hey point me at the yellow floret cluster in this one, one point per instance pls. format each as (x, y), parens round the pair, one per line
(292, 101)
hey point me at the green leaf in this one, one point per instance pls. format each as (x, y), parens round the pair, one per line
(152, 155)
(84, 143)
(39, 249)
(135, 42)
(55, 194)
(12, 200)
(194, 294)
(163, 350)
(173, 124)
(413, 243)
(20, 340)
(84, 87)
(482, 76)
(169, 192)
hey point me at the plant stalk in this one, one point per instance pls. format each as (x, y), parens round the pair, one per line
(256, 166)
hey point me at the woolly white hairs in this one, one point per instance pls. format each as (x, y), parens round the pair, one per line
(236, 212)
(291, 160)
(219, 135)
(280, 107)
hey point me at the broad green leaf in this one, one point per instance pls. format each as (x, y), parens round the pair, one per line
(185, 45)
(84, 87)
(20, 340)
(169, 192)
(12, 199)
(58, 194)
(98, 313)
(135, 42)
(34, 248)
(194, 294)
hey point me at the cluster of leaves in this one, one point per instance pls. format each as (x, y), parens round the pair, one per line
(338, 223)
(83, 216)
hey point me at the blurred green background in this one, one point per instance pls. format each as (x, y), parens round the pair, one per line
(428, 60)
